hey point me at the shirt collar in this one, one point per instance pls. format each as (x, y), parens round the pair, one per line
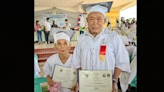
(88, 33)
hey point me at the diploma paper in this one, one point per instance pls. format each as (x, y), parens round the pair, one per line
(95, 81)
(67, 76)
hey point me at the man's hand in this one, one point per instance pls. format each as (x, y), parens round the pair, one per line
(50, 81)
(46, 31)
(114, 87)
(73, 88)
(77, 87)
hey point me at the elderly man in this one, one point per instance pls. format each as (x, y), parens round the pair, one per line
(87, 55)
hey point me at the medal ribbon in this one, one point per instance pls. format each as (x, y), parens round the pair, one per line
(103, 50)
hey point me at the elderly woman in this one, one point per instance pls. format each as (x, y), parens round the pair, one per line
(63, 58)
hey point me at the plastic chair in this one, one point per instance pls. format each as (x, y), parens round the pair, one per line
(130, 58)
(36, 57)
(37, 81)
(37, 62)
(133, 84)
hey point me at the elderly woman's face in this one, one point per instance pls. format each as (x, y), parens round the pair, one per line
(96, 21)
(62, 46)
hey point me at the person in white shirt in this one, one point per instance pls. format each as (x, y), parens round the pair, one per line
(47, 28)
(86, 55)
(62, 44)
(67, 25)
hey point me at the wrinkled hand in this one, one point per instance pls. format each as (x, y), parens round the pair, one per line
(73, 88)
(77, 87)
(114, 87)
(50, 82)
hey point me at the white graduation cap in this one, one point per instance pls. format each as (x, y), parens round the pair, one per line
(125, 40)
(123, 20)
(63, 34)
(129, 40)
(122, 17)
(97, 7)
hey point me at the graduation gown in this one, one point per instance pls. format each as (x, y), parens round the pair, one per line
(109, 27)
(132, 33)
(123, 29)
(49, 67)
(117, 29)
(87, 52)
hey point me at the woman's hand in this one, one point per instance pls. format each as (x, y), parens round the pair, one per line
(77, 87)
(73, 88)
(114, 87)
(50, 81)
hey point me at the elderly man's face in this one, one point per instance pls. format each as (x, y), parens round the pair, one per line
(96, 21)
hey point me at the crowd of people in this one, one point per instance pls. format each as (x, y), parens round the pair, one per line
(125, 28)
(119, 57)
(46, 28)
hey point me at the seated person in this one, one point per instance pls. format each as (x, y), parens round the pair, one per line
(54, 25)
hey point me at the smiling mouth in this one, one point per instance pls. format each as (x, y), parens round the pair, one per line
(94, 28)
(62, 50)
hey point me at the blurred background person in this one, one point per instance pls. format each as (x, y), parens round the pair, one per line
(47, 27)
(82, 30)
(117, 26)
(128, 23)
(109, 25)
(136, 28)
(67, 25)
(38, 31)
(121, 21)
(123, 28)
(133, 29)
(54, 25)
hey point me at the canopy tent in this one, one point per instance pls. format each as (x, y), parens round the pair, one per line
(129, 13)
(71, 16)
(73, 8)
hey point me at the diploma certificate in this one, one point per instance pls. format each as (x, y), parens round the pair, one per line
(95, 81)
(67, 76)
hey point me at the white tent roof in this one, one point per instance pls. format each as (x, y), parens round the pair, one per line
(129, 13)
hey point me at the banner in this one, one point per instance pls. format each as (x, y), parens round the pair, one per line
(58, 18)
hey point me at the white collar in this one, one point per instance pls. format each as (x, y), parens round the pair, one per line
(88, 33)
